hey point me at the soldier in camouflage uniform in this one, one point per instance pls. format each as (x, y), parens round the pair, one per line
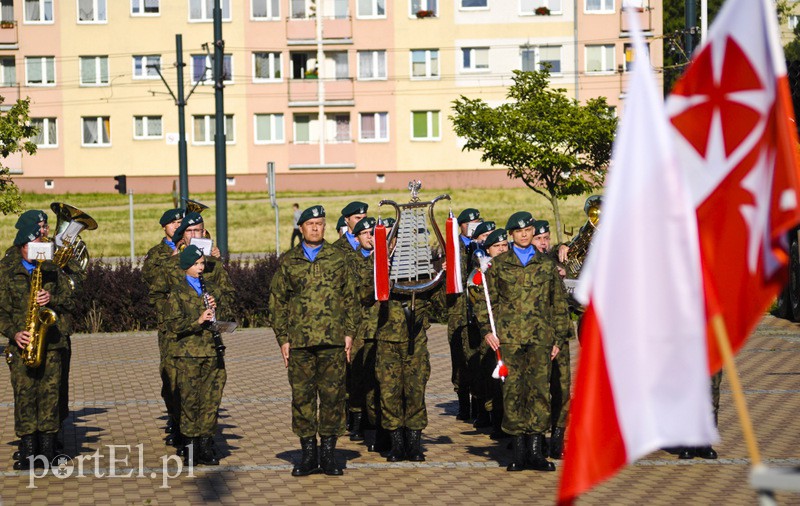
(461, 335)
(352, 213)
(36, 391)
(532, 320)
(314, 325)
(186, 316)
(151, 268)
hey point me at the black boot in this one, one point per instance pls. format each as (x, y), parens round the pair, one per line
(47, 448)
(380, 443)
(473, 405)
(686, 453)
(482, 420)
(536, 459)
(17, 453)
(207, 455)
(191, 451)
(497, 425)
(356, 429)
(176, 440)
(308, 461)
(705, 452)
(413, 451)
(396, 454)
(463, 407)
(518, 460)
(557, 443)
(170, 427)
(27, 449)
(327, 459)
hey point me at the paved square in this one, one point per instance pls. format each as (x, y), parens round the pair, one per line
(115, 401)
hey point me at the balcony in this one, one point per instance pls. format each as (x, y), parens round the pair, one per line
(304, 92)
(9, 35)
(337, 156)
(645, 18)
(303, 31)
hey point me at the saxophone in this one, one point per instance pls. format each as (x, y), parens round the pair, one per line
(37, 323)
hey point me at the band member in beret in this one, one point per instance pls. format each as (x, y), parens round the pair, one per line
(352, 213)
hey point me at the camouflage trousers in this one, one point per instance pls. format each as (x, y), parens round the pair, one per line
(492, 388)
(317, 375)
(166, 369)
(36, 394)
(559, 388)
(402, 378)
(199, 392)
(458, 338)
(364, 392)
(526, 395)
(63, 395)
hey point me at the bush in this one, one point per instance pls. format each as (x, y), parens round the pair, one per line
(252, 281)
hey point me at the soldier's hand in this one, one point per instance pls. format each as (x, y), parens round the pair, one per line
(348, 345)
(492, 341)
(561, 271)
(215, 252)
(42, 297)
(206, 316)
(22, 338)
(562, 253)
(554, 353)
(211, 302)
(285, 354)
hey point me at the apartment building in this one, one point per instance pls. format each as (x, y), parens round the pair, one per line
(339, 94)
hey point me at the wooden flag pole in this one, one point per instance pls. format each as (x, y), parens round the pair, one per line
(721, 333)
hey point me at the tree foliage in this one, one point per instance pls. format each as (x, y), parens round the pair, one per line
(551, 142)
(15, 136)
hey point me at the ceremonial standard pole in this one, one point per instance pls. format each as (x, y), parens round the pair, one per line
(219, 137)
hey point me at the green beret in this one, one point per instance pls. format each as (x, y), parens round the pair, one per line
(540, 227)
(469, 214)
(30, 216)
(387, 222)
(311, 213)
(486, 226)
(341, 223)
(29, 232)
(170, 216)
(355, 207)
(521, 219)
(364, 224)
(497, 235)
(190, 255)
(187, 221)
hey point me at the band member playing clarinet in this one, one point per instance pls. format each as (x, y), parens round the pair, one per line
(187, 315)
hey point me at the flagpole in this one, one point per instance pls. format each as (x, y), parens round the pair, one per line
(723, 341)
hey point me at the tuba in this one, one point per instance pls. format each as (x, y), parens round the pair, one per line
(39, 319)
(193, 206)
(579, 246)
(70, 223)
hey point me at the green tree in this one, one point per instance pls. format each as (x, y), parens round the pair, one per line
(555, 145)
(15, 136)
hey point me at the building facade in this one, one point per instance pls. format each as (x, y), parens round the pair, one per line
(339, 94)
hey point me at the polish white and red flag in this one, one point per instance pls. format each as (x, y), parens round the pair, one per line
(642, 381)
(736, 140)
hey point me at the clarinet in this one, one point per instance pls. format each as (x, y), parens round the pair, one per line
(218, 346)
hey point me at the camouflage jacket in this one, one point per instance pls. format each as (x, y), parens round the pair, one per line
(179, 315)
(458, 304)
(15, 287)
(72, 269)
(310, 303)
(154, 261)
(529, 303)
(343, 244)
(170, 274)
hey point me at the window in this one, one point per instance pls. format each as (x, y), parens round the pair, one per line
(265, 9)
(204, 128)
(424, 63)
(529, 6)
(38, 11)
(596, 6)
(533, 58)
(303, 65)
(40, 70)
(302, 128)
(7, 10)
(475, 59)
(373, 127)
(371, 9)
(792, 21)
(341, 62)
(474, 4)
(203, 10)
(425, 126)
(47, 132)
(96, 131)
(8, 71)
(145, 7)
(371, 65)
(269, 128)
(630, 56)
(143, 66)
(92, 11)
(267, 67)
(600, 58)
(147, 127)
(306, 128)
(428, 7)
(301, 9)
(340, 124)
(201, 62)
(94, 70)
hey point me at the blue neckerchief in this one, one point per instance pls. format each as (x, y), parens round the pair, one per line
(194, 283)
(365, 252)
(466, 240)
(525, 254)
(309, 252)
(169, 243)
(28, 266)
(352, 240)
